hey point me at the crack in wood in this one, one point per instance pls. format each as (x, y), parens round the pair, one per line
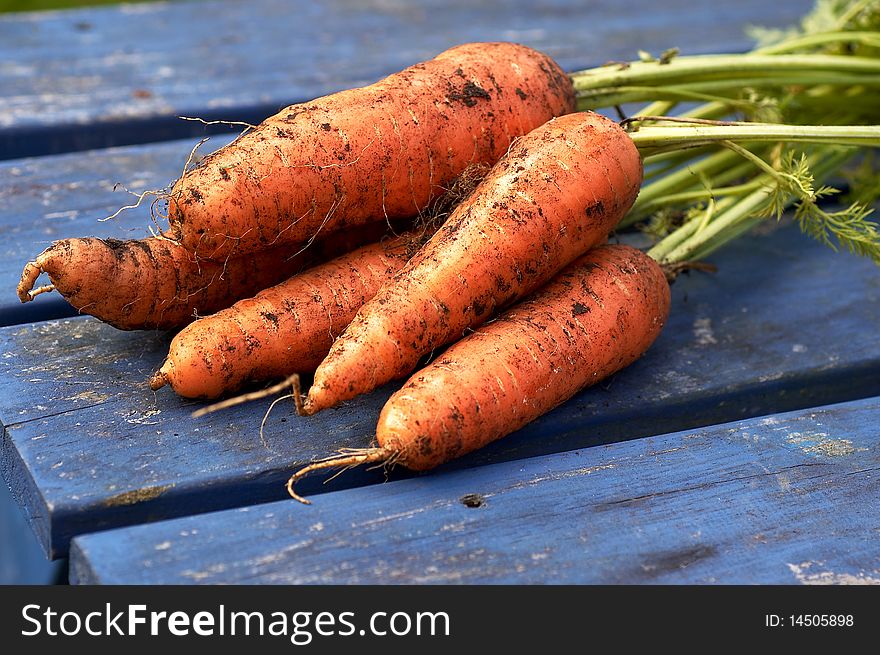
(17, 424)
(613, 504)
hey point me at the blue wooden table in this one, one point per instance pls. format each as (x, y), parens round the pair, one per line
(742, 448)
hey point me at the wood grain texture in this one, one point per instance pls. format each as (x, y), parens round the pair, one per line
(21, 558)
(785, 324)
(110, 76)
(783, 499)
(43, 199)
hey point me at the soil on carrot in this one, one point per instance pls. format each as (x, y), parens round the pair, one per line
(470, 94)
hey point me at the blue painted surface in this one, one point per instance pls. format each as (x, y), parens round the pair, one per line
(85, 445)
(22, 561)
(785, 499)
(785, 324)
(110, 76)
(43, 199)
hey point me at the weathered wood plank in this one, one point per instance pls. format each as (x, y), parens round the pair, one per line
(783, 499)
(43, 199)
(98, 77)
(785, 324)
(21, 558)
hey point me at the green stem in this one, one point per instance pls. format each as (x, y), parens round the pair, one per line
(717, 108)
(706, 67)
(852, 12)
(685, 249)
(703, 194)
(684, 244)
(748, 155)
(676, 158)
(686, 176)
(740, 228)
(658, 108)
(656, 138)
(803, 88)
(712, 90)
(680, 180)
(664, 163)
(669, 243)
(608, 97)
(722, 167)
(871, 39)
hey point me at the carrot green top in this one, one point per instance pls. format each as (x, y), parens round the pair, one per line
(756, 133)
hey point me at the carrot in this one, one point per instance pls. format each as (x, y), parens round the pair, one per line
(154, 283)
(284, 329)
(379, 151)
(558, 192)
(596, 317)
(288, 328)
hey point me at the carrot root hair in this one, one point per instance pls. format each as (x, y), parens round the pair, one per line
(346, 459)
(672, 271)
(461, 187)
(158, 196)
(164, 194)
(291, 381)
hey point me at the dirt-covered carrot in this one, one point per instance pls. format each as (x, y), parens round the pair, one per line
(288, 328)
(557, 193)
(705, 198)
(154, 283)
(535, 356)
(379, 151)
(596, 317)
(285, 329)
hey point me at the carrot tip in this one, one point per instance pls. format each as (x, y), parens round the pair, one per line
(308, 409)
(314, 401)
(25, 289)
(292, 380)
(46, 288)
(293, 494)
(158, 379)
(345, 460)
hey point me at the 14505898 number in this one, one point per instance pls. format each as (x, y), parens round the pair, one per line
(821, 620)
(809, 620)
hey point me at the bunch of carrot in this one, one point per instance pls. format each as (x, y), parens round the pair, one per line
(509, 187)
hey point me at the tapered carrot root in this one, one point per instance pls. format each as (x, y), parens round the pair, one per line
(383, 150)
(288, 329)
(154, 283)
(596, 317)
(558, 192)
(32, 271)
(284, 329)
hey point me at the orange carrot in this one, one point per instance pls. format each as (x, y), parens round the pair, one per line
(154, 283)
(379, 151)
(289, 328)
(596, 317)
(558, 192)
(285, 329)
